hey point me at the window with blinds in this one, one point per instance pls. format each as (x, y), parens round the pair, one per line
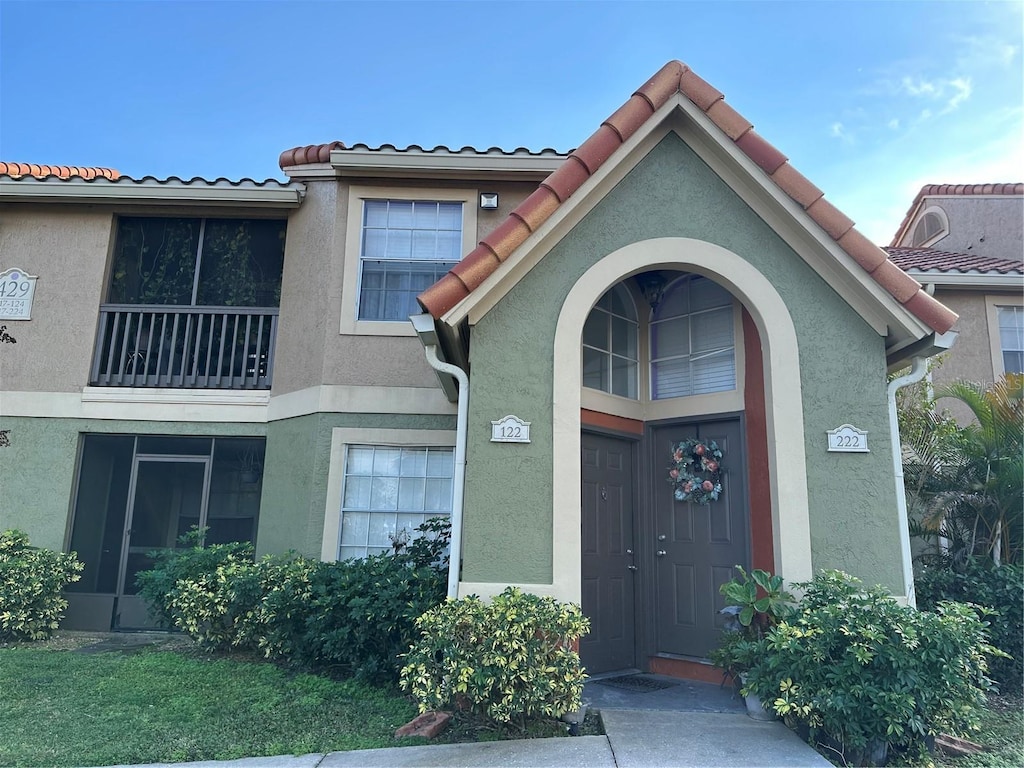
(693, 349)
(1011, 338)
(407, 246)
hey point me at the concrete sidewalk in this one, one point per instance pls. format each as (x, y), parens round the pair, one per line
(635, 739)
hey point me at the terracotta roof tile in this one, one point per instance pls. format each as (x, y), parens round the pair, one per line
(795, 184)
(537, 208)
(14, 170)
(939, 190)
(508, 236)
(830, 218)
(476, 267)
(898, 283)
(931, 312)
(630, 116)
(676, 77)
(761, 152)
(598, 148)
(863, 251)
(729, 120)
(931, 260)
(567, 179)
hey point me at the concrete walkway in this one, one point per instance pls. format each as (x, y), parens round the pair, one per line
(680, 724)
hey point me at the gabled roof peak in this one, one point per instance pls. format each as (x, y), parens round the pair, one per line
(677, 78)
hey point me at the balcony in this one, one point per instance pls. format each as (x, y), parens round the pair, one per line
(186, 347)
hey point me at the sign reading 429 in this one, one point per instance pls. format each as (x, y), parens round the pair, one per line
(17, 289)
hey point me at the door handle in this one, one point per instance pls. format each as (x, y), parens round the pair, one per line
(629, 551)
(631, 567)
(661, 553)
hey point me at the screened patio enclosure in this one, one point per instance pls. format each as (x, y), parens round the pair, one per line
(136, 494)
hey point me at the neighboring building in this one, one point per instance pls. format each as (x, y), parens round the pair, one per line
(239, 354)
(965, 243)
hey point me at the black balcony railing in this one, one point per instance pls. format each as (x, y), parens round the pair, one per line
(184, 347)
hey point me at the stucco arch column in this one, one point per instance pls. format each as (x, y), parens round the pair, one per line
(783, 401)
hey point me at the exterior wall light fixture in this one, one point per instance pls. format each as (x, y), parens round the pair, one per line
(489, 201)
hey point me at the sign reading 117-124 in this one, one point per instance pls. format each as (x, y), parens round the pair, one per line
(17, 289)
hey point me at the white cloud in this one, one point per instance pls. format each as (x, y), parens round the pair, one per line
(837, 131)
(953, 91)
(894, 124)
(984, 52)
(962, 91)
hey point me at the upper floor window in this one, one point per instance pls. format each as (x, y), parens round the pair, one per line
(610, 335)
(693, 349)
(407, 246)
(1011, 338)
(199, 262)
(928, 228)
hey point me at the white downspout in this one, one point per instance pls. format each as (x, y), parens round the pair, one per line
(455, 557)
(917, 372)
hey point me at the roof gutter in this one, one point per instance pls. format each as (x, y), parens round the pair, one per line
(424, 325)
(900, 356)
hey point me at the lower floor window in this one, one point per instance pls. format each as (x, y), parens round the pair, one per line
(388, 492)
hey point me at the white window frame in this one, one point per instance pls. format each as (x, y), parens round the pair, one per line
(341, 438)
(350, 324)
(992, 305)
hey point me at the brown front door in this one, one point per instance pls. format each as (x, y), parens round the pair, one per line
(608, 567)
(696, 546)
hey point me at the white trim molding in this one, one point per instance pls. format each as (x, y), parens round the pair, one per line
(992, 304)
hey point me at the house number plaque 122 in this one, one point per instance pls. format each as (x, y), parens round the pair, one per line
(510, 429)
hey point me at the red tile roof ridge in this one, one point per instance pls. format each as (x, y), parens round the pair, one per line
(932, 260)
(15, 170)
(321, 153)
(935, 190)
(129, 180)
(676, 77)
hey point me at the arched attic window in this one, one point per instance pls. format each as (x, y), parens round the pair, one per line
(929, 227)
(610, 344)
(693, 347)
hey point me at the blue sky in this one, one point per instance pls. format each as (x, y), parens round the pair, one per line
(870, 100)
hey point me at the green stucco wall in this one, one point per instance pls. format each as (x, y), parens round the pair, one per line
(37, 471)
(296, 472)
(672, 193)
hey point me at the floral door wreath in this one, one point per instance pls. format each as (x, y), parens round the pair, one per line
(696, 471)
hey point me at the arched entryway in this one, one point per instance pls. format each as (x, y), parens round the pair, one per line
(646, 565)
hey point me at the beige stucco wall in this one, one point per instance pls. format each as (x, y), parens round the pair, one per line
(971, 358)
(67, 248)
(311, 350)
(982, 226)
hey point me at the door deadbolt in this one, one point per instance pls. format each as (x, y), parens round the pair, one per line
(631, 567)
(662, 537)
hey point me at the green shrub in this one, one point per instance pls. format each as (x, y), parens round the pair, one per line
(31, 581)
(859, 670)
(355, 616)
(509, 658)
(999, 588)
(190, 561)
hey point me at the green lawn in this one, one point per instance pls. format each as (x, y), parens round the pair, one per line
(60, 709)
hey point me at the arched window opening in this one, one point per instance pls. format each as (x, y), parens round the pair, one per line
(693, 348)
(610, 345)
(929, 227)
